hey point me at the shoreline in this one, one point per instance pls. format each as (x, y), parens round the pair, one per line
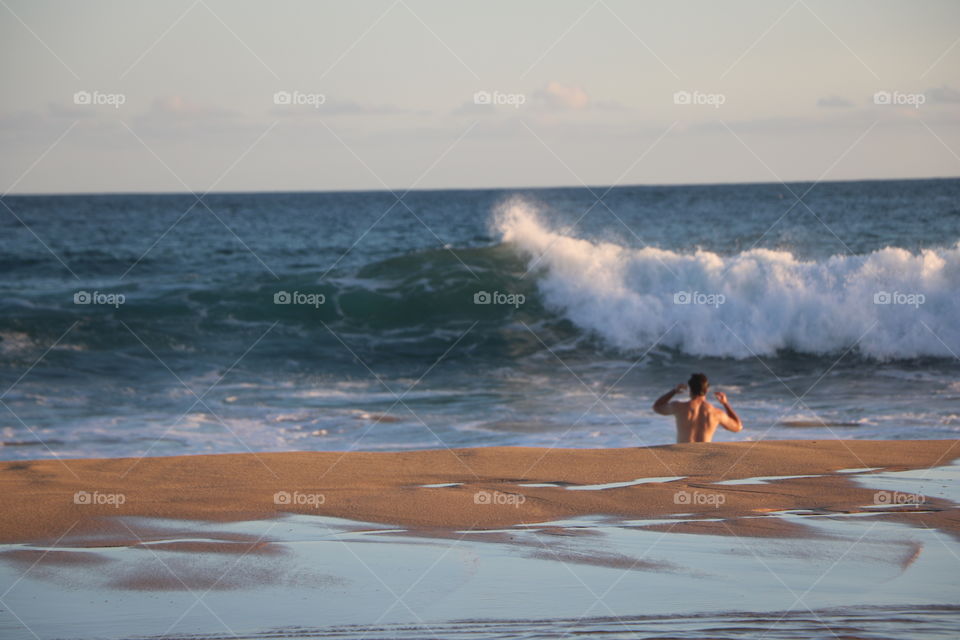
(475, 489)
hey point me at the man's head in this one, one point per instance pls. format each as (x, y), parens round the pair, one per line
(698, 385)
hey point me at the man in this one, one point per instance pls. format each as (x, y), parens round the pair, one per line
(696, 418)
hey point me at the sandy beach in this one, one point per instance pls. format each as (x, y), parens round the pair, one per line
(531, 541)
(482, 488)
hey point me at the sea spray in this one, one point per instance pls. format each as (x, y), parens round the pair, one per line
(886, 304)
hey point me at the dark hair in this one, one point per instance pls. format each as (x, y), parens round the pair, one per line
(698, 384)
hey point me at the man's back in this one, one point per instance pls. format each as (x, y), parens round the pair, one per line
(697, 420)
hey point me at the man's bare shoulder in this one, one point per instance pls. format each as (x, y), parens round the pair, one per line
(714, 409)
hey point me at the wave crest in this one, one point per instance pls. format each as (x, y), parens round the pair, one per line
(888, 304)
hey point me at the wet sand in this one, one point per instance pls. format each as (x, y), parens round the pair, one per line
(803, 538)
(320, 577)
(469, 489)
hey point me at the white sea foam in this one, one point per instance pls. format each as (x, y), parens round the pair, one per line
(756, 302)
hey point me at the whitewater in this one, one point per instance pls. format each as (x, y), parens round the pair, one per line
(887, 304)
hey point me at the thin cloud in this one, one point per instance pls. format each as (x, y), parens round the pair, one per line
(834, 102)
(560, 97)
(332, 107)
(473, 108)
(943, 95)
(177, 108)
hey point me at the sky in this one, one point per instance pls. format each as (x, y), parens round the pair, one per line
(207, 95)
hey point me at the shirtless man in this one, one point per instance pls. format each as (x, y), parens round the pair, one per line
(696, 418)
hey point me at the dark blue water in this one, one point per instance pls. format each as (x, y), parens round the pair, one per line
(384, 346)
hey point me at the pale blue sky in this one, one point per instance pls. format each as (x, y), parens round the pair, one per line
(797, 81)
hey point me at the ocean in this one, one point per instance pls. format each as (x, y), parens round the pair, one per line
(166, 324)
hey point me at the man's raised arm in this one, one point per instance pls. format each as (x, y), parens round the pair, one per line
(731, 421)
(662, 405)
